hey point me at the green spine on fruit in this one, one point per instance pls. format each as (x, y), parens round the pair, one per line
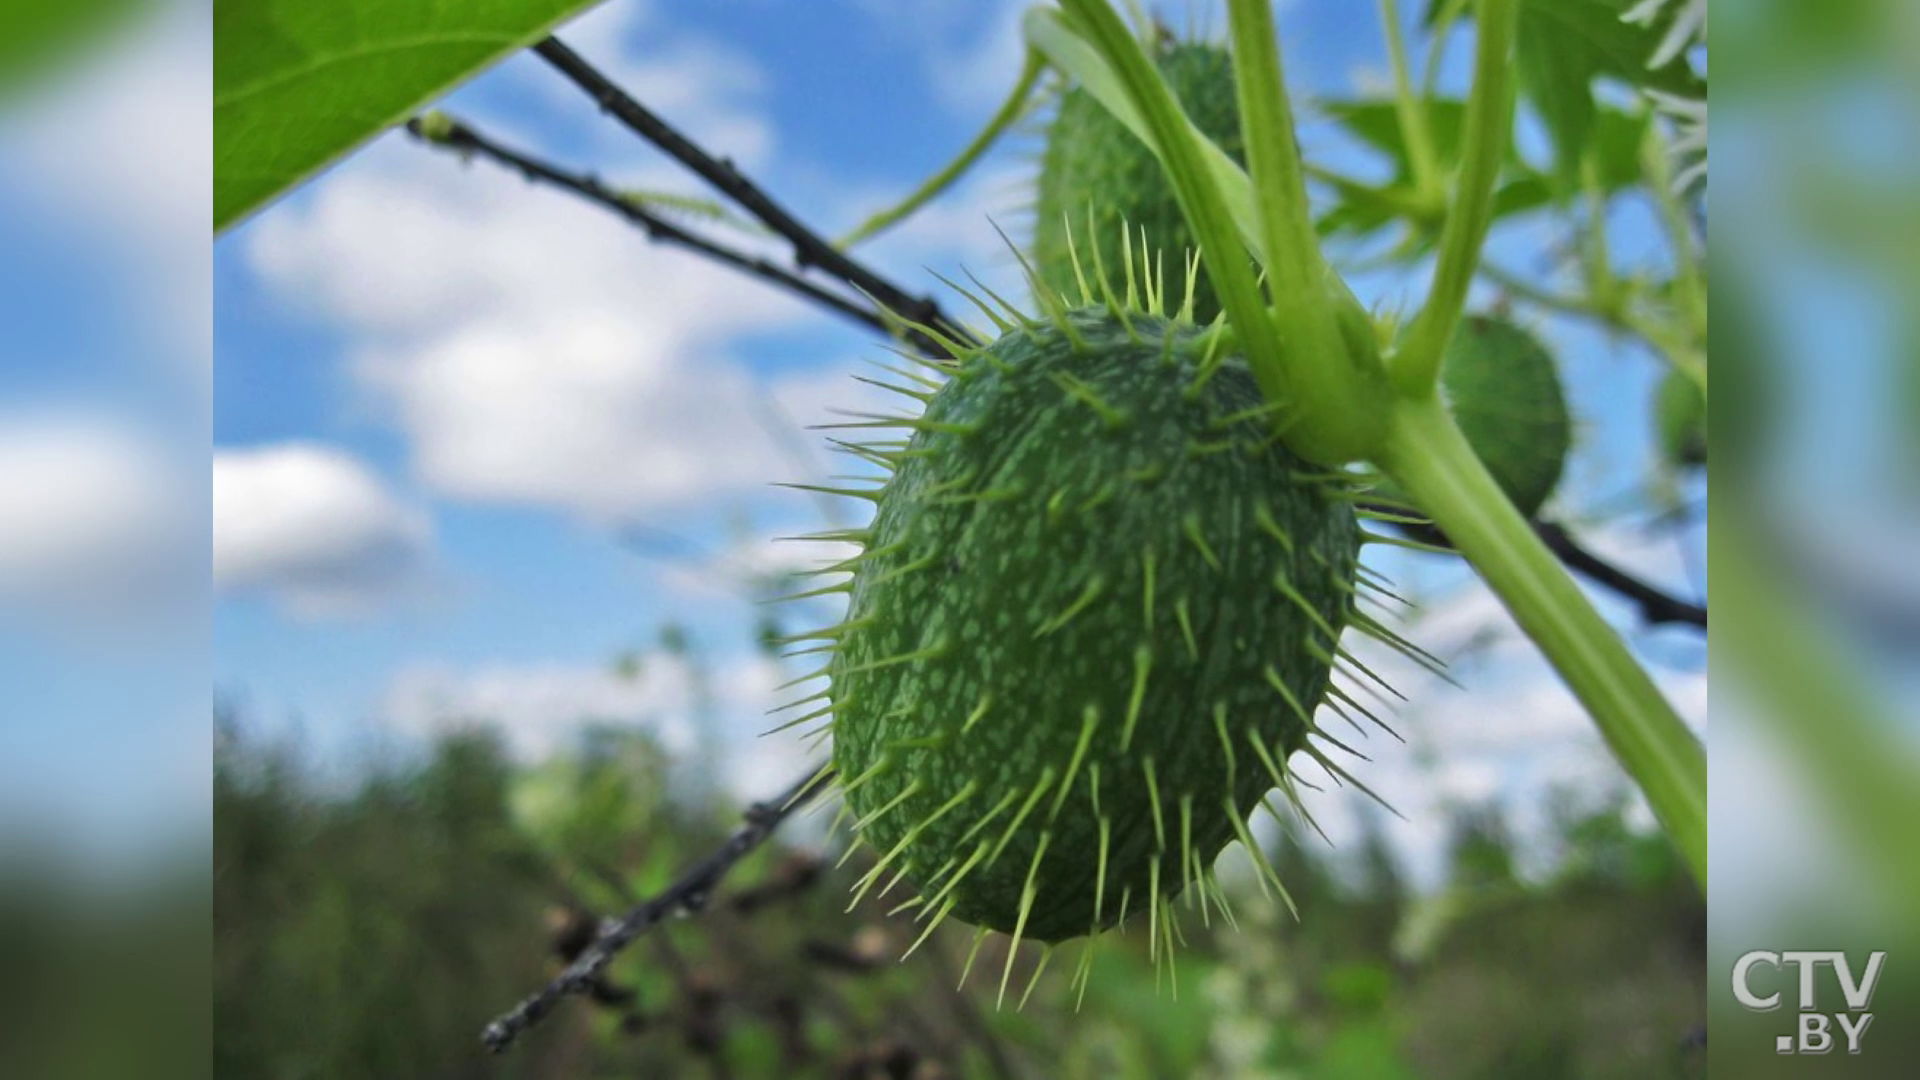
(1098, 607)
(1094, 166)
(1504, 392)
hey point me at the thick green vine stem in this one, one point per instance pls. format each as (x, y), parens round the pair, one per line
(1335, 374)
(1411, 107)
(1431, 460)
(1488, 127)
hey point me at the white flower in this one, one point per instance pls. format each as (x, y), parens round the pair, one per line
(1689, 27)
(1688, 148)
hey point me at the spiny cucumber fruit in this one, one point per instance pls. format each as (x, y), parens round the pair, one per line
(1098, 179)
(1096, 610)
(1505, 394)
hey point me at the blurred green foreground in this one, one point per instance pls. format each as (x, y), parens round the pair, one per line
(369, 926)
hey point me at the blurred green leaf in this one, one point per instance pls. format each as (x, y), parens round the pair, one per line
(1361, 209)
(1564, 45)
(1616, 146)
(299, 83)
(36, 40)
(1559, 84)
(1361, 1051)
(1376, 121)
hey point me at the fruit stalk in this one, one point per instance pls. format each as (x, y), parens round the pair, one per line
(1412, 109)
(1428, 456)
(1330, 376)
(1489, 125)
(1337, 394)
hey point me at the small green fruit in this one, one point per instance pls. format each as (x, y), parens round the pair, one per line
(1098, 606)
(1093, 163)
(1504, 392)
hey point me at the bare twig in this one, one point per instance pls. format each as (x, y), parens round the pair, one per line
(687, 895)
(461, 138)
(1656, 606)
(810, 249)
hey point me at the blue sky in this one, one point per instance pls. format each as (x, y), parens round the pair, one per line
(441, 397)
(105, 332)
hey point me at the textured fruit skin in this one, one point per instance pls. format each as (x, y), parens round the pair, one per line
(997, 634)
(1504, 393)
(1091, 159)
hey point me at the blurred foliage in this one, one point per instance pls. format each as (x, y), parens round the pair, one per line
(369, 926)
(103, 982)
(39, 40)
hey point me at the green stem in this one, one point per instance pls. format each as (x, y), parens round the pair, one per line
(1564, 303)
(1406, 204)
(1167, 130)
(1411, 107)
(1010, 111)
(1438, 32)
(1689, 292)
(1686, 357)
(1073, 56)
(1294, 266)
(1682, 357)
(1817, 703)
(1330, 376)
(1432, 461)
(1488, 126)
(1602, 284)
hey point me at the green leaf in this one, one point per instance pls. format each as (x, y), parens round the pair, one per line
(1558, 82)
(299, 83)
(1564, 45)
(36, 40)
(1361, 209)
(1376, 122)
(1606, 46)
(1617, 140)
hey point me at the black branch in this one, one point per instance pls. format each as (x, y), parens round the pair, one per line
(462, 138)
(688, 895)
(1656, 606)
(810, 249)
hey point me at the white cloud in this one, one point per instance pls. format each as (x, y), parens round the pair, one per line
(534, 350)
(703, 87)
(93, 515)
(313, 528)
(981, 72)
(122, 148)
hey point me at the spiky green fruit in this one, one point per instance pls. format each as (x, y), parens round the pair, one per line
(1098, 605)
(1504, 392)
(1092, 163)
